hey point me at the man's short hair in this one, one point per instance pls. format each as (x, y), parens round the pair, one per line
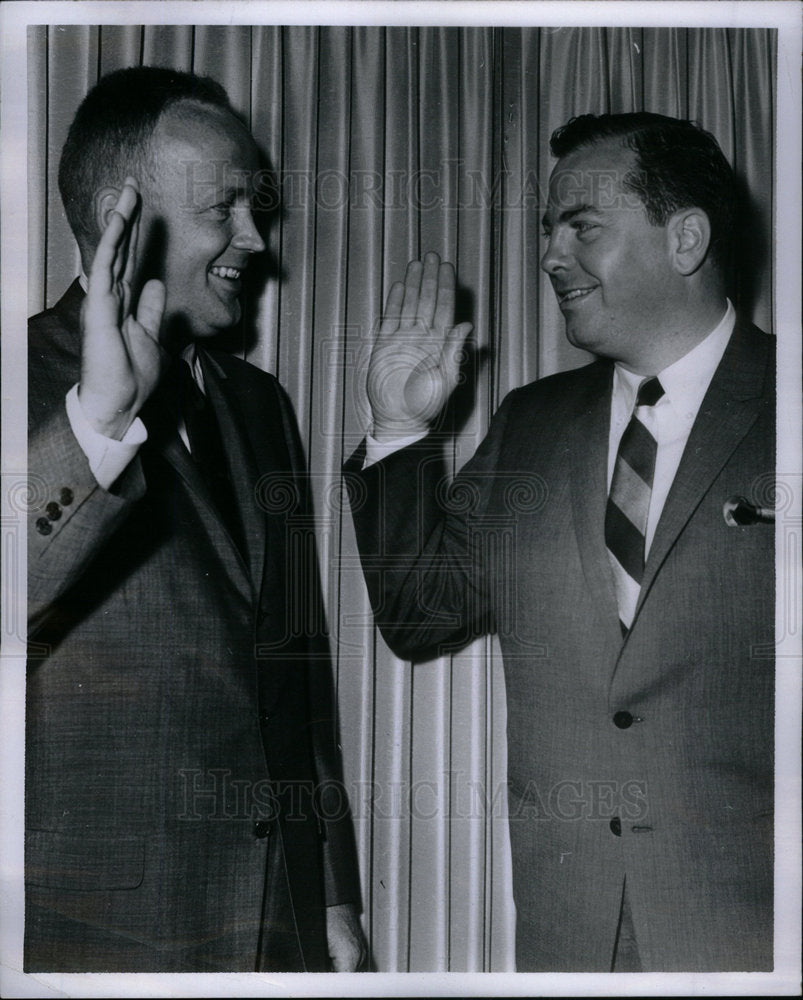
(678, 165)
(110, 134)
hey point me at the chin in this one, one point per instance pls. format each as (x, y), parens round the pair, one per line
(219, 324)
(599, 342)
(581, 339)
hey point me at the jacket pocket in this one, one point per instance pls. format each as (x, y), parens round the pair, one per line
(78, 863)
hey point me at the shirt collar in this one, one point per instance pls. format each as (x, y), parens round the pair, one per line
(191, 356)
(686, 380)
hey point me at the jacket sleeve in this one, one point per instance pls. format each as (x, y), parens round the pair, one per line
(70, 517)
(340, 867)
(423, 543)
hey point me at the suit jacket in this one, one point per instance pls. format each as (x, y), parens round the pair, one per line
(648, 759)
(184, 810)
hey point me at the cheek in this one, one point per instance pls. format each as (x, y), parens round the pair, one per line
(638, 275)
(186, 284)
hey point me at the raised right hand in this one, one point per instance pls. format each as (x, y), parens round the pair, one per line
(415, 362)
(121, 357)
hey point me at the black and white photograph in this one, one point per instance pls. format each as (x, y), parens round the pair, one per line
(401, 503)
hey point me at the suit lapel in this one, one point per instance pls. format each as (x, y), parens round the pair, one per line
(161, 417)
(262, 438)
(728, 411)
(589, 493)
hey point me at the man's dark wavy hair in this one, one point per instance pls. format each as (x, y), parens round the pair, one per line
(678, 165)
(110, 134)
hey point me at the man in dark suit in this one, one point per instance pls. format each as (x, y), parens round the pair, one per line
(612, 528)
(184, 810)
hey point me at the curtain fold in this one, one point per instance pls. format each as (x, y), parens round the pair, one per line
(38, 162)
(384, 143)
(119, 45)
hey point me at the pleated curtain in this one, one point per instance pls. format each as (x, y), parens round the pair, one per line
(386, 143)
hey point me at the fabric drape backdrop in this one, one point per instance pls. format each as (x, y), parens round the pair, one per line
(388, 142)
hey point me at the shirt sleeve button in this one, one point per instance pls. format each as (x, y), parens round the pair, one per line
(53, 511)
(65, 496)
(43, 526)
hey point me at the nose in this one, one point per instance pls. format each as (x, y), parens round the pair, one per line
(556, 254)
(247, 235)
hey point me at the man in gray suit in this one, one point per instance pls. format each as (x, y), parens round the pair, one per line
(631, 582)
(184, 810)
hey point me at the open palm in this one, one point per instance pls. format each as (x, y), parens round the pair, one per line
(121, 357)
(415, 362)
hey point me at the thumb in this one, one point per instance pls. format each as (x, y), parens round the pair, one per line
(151, 307)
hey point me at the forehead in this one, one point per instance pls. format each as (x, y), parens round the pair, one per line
(204, 140)
(594, 176)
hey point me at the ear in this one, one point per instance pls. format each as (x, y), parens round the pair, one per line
(105, 201)
(689, 238)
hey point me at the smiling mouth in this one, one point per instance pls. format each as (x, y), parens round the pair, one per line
(229, 273)
(574, 295)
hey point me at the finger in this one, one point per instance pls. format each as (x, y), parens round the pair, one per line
(128, 207)
(114, 234)
(130, 251)
(101, 274)
(429, 289)
(412, 285)
(128, 200)
(150, 307)
(444, 309)
(393, 306)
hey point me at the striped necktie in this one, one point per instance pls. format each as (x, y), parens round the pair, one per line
(208, 450)
(629, 503)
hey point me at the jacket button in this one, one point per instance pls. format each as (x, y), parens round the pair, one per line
(616, 826)
(624, 720)
(65, 496)
(53, 511)
(261, 829)
(43, 526)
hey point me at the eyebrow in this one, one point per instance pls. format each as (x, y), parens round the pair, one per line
(568, 214)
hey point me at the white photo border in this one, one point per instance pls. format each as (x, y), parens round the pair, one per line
(14, 19)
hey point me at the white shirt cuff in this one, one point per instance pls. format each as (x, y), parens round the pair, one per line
(375, 450)
(107, 457)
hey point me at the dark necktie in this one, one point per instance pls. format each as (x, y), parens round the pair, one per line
(208, 452)
(629, 503)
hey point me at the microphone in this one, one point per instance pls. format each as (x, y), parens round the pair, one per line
(738, 512)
